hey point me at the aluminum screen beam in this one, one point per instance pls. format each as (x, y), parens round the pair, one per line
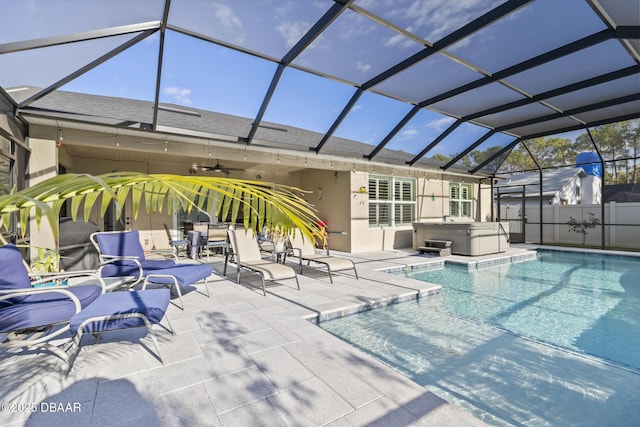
(77, 37)
(393, 132)
(623, 117)
(495, 156)
(567, 113)
(163, 29)
(604, 78)
(467, 150)
(477, 24)
(313, 33)
(565, 50)
(435, 142)
(87, 67)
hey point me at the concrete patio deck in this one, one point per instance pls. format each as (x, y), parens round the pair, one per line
(238, 358)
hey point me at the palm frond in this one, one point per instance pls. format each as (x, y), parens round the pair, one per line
(263, 204)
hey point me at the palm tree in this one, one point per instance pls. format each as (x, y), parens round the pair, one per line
(278, 207)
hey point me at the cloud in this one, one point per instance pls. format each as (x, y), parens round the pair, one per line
(180, 95)
(396, 40)
(360, 66)
(231, 23)
(291, 32)
(437, 18)
(440, 124)
(409, 133)
(225, 14)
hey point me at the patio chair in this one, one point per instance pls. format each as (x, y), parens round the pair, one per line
(177, 245)
(304, 249)
(218, 238)
(31, 317)
(211, 236)
(246, 253)
(122, 255)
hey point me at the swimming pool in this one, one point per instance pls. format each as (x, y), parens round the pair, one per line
(548, 341)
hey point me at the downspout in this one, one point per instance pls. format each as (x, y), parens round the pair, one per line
(602, 234)
(493, 217)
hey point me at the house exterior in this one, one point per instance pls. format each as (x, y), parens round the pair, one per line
(559, 187)
(622, 193)
(367, 205)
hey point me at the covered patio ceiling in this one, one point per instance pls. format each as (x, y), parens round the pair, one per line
(409, 81)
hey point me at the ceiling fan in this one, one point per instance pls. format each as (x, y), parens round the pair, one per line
(217, 168)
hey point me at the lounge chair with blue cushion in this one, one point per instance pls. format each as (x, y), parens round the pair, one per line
(31, 317)
(122, 254)
(121, 310)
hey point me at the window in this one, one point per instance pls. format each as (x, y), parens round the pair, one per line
(5, 175)
(12, 155)
(460, 200)
(392, 201)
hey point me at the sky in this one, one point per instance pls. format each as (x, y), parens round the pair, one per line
(352, 50)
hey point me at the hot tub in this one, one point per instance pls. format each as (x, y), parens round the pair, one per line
(469, 238)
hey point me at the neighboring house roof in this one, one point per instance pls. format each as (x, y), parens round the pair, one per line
(622, 193)
(552, 182)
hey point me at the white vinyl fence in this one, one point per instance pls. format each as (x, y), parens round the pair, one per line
(622, 227)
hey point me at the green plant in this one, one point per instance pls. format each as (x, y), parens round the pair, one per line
(264, 204)
(583, 226)
(48, 261)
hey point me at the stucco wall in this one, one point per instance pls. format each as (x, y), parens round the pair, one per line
(335, 195)
(43, 164)
(330, 195)
(151, 228)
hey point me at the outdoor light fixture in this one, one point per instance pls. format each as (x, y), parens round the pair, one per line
(59, 138)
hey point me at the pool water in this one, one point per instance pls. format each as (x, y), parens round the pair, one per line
(586, 302)
(552, 341)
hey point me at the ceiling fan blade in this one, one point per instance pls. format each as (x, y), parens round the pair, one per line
(217, 168)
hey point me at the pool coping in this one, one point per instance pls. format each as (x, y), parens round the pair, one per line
(338, 313)
(433, 288)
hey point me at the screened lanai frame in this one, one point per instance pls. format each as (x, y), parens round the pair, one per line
(442, 74)
(595, 146)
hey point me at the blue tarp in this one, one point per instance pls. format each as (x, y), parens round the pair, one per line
(590, 162)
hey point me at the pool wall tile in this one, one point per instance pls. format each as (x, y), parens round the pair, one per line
(328, 315)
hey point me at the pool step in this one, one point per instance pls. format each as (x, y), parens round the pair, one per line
(441, 247)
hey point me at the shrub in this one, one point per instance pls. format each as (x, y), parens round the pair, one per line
(584, 225)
